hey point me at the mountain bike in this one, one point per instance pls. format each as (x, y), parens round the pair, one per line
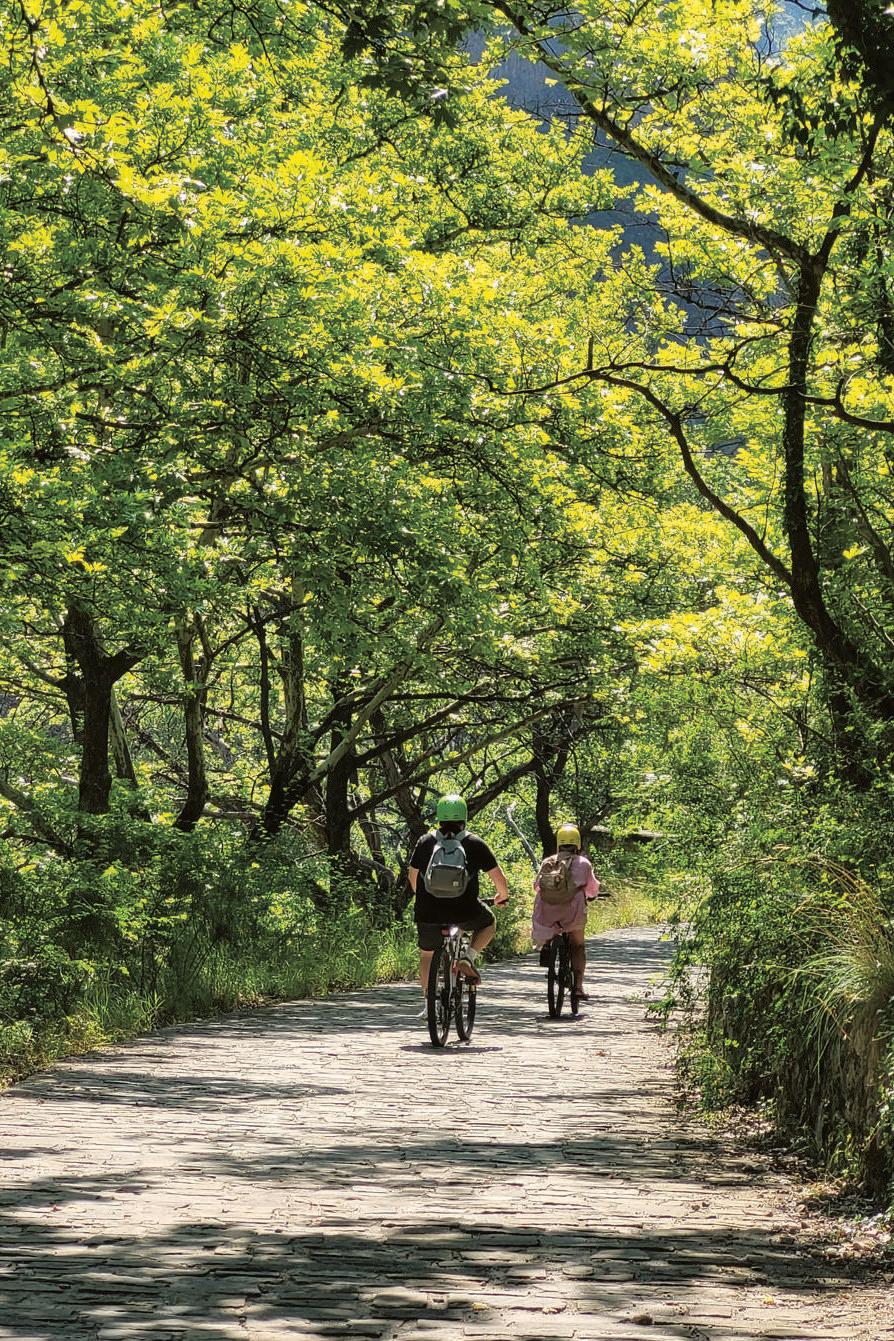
(560, 975)
(450, 995)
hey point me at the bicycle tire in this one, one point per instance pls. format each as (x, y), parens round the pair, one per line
(437, 997)
(464, 1010)
(555, 978)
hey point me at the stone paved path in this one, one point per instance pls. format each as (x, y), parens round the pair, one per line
(318, 1170)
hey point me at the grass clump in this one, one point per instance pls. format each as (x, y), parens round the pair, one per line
(633, 901)
(346, 952)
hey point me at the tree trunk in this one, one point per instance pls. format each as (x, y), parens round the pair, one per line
(194, 697)
(73, 686)
(338, 781)
(98, 673)
(542, 806)
(290, 766)
(839, 652)
(405, 798)
(124, 767)
(96, 776)
(550, 745)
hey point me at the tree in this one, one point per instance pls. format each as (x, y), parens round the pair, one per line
(260, 477)
(771, 175)
(865, 30)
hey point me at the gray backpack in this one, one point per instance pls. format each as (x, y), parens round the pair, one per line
(447, 874)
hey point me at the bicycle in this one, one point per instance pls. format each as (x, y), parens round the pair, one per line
(560, 976)
(450, 994)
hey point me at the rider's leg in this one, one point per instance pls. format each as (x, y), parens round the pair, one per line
(483, 936)
(481, 925)
(482, 928)
(425, 957)
(578, 957)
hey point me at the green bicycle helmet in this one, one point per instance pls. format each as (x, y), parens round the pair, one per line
(452, 807)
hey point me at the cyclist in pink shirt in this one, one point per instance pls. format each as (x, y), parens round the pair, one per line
(564, 884)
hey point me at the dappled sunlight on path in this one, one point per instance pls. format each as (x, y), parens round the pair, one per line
(318, 1170)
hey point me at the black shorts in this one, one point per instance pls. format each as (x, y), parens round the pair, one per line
(430, 933)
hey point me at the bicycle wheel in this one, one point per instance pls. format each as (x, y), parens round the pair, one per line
(555, 978)
(568, 973)
(437, 998)
(464, 1010)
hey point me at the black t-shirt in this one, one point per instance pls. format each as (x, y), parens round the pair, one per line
(478, 858)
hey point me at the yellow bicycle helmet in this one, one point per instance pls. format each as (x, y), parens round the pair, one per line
(568, 835)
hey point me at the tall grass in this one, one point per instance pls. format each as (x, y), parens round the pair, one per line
(854, 970)
(850, 1014)
(201, 978)
(632, 901)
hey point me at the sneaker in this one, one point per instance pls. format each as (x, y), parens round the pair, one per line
(544, 956)
(468, 970)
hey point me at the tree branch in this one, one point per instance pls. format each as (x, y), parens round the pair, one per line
(42, 829)
(773, 242)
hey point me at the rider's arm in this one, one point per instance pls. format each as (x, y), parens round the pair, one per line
(498, 879)
(590, 883)
(412, 877)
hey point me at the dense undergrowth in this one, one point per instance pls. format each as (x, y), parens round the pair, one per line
(784, 980)
(162, 928)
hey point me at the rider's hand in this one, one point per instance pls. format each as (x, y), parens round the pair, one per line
(501, 900)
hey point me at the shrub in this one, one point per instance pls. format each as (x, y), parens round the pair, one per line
(786, 969)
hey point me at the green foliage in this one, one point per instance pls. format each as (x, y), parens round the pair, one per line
(631, 900)
(190, 925)
(864, 34)
(785, 968)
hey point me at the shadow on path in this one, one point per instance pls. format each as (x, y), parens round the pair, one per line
(327, 1276)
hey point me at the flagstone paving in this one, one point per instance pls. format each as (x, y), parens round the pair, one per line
(319, 1170)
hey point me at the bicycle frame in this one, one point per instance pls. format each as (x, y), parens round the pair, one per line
(457, 941)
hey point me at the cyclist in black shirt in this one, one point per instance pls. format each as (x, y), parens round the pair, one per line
(432, 913)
